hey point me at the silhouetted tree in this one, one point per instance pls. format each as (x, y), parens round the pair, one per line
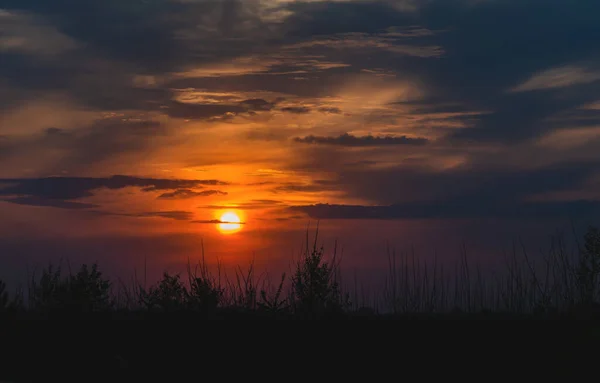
(315, 289)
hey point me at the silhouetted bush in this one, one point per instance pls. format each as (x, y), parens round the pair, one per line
(588, 271)
(4, 300)
(168, 295)
(274, 304)
(86, 291)
(564, 283)
(315, 288)
(171, 294)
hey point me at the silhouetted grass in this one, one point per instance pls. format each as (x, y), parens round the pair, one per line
(124, 329)
(561, 284)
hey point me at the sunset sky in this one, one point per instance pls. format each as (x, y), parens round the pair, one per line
(129, 127)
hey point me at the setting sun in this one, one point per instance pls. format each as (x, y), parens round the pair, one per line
(230, 223)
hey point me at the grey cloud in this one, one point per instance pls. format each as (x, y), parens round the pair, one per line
(354, 141)
(216, 222)
(211, 110)
(79, 148)
(296, 109)
(258, 104)
(187, 193)
(117, 40)
(431, 210)
(252, 205)
(45, 202)
(175, 214)
(331, 110)
(314, 187)
(70, 188)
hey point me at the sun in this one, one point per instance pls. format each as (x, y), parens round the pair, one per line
(230, 223)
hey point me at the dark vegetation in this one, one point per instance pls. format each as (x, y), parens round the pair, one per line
(123, 331)
(563, 284)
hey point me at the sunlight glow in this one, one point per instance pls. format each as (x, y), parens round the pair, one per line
(230, 223)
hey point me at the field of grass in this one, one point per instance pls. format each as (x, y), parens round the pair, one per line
(563, 284)
(64, 322)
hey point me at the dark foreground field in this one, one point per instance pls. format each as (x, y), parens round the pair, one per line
(81, 326)
(140, 347)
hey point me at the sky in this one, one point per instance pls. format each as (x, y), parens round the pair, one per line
(129, 127)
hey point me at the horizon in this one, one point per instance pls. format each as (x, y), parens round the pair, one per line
(136, 133)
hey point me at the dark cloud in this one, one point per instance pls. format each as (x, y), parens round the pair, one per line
(455, 209)
(70, 188)
(187, 193)
(327, 18)
(45, 202)
(523, 62)
(143, 33)
(350, 140)
(314, 187)
(252, 205)
(467, 184)
(330, 110)
(79, 148)
(176, 215)
(296, 109)
(258, 104)
(216, 222)
(290, 218)
(201, 111)
(480, 59)
(113, 41)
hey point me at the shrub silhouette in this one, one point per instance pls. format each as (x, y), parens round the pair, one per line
(315, 288)
(171, 294)
(588, 271)
(204, 294)
(568, 284)
(4, 301)
(85, 291)
(274, 304)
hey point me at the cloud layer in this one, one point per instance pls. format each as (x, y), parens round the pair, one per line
(346, 110)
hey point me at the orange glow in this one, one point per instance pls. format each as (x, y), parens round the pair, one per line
(230, 223)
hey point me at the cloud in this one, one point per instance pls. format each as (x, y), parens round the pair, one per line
(393, 42)
(237, 57)
(296, 109)
(73, 149)
(216, 108)
(45, 202)
(72, 188)
(187, 193)
(446, 210)
(22, 32)
(201, 111)
(258, 104)
(251, 205)
(217, 221)
(315, 187)
(331, 110)
(354, 141)
(561, 77)
(178, 215)
(175, 214)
